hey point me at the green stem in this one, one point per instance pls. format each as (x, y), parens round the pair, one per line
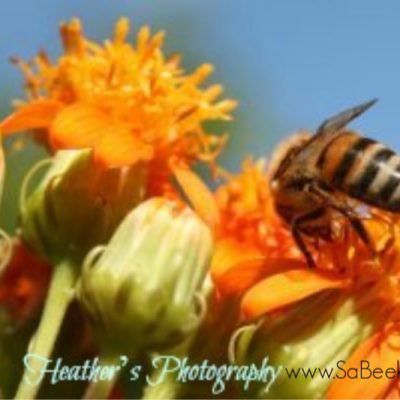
(58, 299)
(101, 389)
(167, 388)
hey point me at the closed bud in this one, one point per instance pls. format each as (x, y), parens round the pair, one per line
(313, 337)
(142, 291)
(77, 205)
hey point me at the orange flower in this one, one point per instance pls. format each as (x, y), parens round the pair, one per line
(377, 284)
(373, 282)
(128, 103)
(23, 283)
(257, 260)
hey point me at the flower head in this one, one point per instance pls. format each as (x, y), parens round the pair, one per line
(257, 261)
(128, 103)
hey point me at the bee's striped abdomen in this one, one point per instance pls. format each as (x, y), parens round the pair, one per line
(363, 169)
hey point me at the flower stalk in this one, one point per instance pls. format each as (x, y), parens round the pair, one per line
(101, 389)
(162, 387)
(58, 299)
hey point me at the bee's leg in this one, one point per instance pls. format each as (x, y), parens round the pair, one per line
(303, 248)
(347, 212)
(296, 232)
(358, 227)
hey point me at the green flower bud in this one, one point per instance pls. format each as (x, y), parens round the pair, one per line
(317, 333)
(77, 205)
(142, 290)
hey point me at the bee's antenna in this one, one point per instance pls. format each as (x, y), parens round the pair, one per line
(340, 120)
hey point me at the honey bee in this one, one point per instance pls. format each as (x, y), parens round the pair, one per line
(316, 176)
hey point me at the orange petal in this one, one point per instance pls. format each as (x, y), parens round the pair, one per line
(285, 288)
(198, 194)
(240, 277)
(245, 274)
(229, 252)
(78, 126)
(82, 125)
(381, 350)
(119, 147)
(35, 115)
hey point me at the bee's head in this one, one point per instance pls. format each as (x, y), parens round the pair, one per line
(284, 154)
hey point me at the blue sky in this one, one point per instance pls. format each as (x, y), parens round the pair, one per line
(290, 63)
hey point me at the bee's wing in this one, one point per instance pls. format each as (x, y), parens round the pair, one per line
(337, 122)
(328, 130)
